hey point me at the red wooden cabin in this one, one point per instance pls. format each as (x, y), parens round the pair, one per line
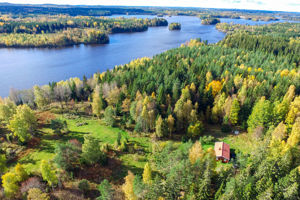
(222, 151)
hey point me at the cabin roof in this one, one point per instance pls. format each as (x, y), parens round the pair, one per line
(222, 150)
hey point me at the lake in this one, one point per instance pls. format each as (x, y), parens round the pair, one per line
(24, 68)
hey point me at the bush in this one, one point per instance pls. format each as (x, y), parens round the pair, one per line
(123, 146)
(2, 164)
(207, 139)
(138, 126)
(195, 129)
(59, 126)
(84, 185)
(37, 194)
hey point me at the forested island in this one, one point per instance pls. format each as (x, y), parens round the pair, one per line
(174, 26)
(147, 129)
(210, 21)
(59, 31)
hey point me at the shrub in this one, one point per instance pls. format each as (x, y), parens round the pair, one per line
(20, 172)
(48, 173)
(207, 139)
(59, 126)
(84, 185)
(123, 146)
(37, 194)
(10, 184)
(195, 129)
(2, 164)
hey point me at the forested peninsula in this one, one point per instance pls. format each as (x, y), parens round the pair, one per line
(59, 31)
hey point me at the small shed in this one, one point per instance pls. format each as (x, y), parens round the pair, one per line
(222, 151)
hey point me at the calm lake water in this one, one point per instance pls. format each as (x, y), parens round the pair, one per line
(24, 68)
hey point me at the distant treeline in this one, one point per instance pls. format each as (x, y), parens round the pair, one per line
(69, 10)
(52, 25)
(58, 31)
(30, 10)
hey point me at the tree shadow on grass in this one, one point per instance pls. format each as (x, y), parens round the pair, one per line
(46, 146)
(49, 141)
(133, 169)
(74, 135)
(28, 161)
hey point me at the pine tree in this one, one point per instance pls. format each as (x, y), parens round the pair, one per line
(109, 116)
(91, 150)
(261, 115)
(147, 174)
(161, 95)
(105, 190)
(234, 112)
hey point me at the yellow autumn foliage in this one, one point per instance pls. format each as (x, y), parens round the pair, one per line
(216, 87)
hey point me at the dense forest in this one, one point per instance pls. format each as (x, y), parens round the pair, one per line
(57, 31)
(146, 129)
(284, 38)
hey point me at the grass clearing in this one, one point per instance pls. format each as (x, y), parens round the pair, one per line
(45, 150)
(134, 161)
